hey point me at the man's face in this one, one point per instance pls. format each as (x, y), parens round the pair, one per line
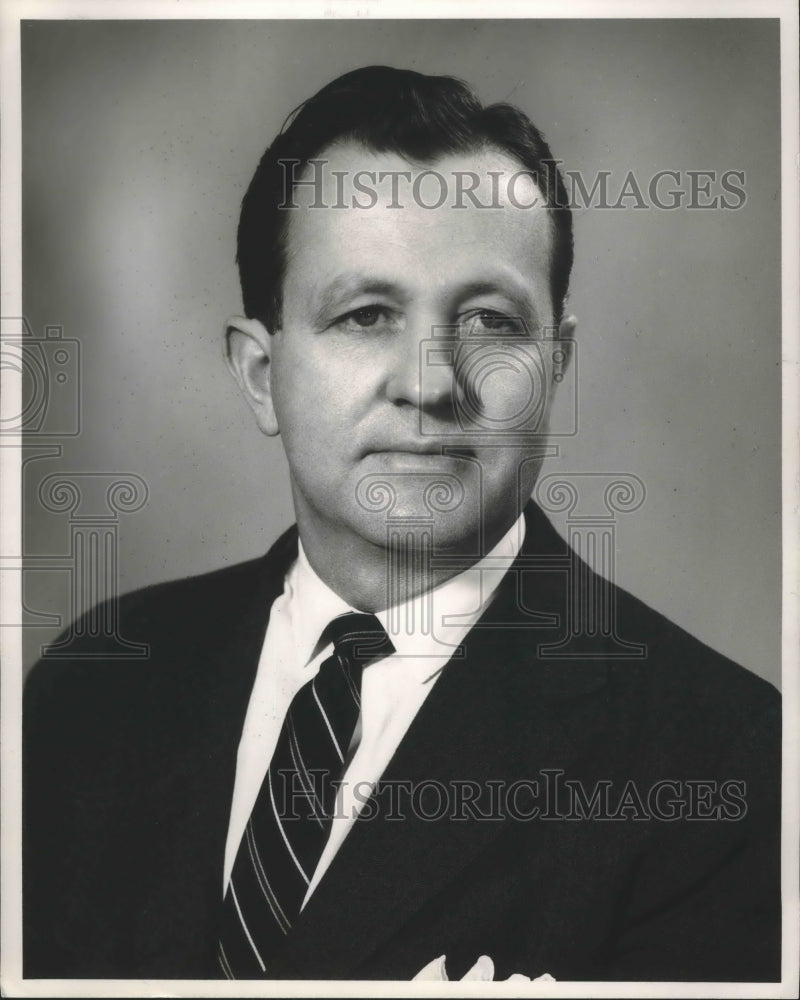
(404, 385)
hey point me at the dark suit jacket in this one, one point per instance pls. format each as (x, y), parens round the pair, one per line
(129, 770)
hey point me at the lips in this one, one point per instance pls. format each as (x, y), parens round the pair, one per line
(410, 448)
(428, 447)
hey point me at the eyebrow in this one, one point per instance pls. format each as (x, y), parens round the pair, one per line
(502, 284)
(350, 285)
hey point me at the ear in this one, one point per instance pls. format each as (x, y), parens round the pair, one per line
(566, 334)
(248, 352)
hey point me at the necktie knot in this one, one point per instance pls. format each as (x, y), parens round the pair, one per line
(358, 638)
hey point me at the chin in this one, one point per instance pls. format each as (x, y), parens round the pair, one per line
(414, 526)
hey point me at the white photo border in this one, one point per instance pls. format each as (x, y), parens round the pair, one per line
(11, 980)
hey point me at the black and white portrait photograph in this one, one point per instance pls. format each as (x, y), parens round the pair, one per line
(400, 494)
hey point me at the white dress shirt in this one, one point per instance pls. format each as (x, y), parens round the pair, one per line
(424, 631)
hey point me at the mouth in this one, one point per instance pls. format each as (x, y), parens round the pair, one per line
(419, 449)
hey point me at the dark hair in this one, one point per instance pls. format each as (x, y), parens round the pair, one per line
(387, 110)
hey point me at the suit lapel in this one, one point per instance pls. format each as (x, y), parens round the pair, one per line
(217, 668)
(230, 650)
(489, 716)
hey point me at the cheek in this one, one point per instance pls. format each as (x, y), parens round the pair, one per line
(291, 381)
(506, 387)
(308, 403)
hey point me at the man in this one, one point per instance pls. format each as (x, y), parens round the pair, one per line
(368, 749)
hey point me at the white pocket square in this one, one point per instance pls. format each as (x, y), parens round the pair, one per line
(482, 971)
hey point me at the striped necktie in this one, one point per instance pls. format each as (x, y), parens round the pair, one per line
(291, 820)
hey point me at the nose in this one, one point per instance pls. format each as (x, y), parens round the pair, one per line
(421, 370)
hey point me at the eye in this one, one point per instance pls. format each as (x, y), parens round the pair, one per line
(487, 322)
(368, 316)
(364, 318)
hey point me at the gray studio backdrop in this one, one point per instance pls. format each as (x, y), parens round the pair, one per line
(139, 139)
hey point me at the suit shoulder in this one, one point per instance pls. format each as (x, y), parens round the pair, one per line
(672, 663)
(683, 691)
(670, 646)
(208, 586)
(166, 620)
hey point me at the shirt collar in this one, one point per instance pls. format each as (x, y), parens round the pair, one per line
(423, 625)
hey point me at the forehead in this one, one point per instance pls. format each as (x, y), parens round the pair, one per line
(436, 223)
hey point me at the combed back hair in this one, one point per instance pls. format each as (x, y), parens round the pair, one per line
(419, 117)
